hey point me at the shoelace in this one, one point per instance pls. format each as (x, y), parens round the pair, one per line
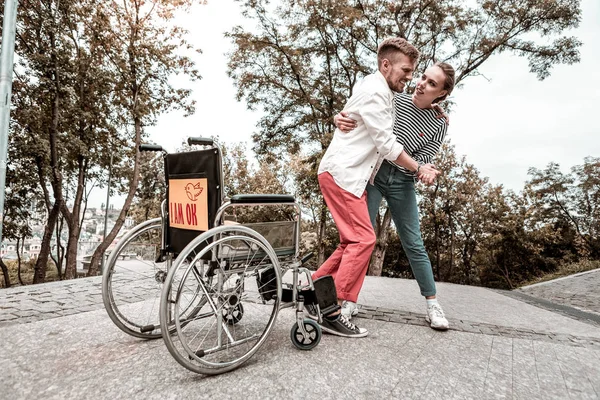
(347, 323)
(437, 310)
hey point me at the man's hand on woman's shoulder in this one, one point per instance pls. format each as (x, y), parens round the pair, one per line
(440, 113)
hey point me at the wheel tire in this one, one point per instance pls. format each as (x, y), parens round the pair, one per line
(314, 335)
(206, 341)
(132, 286)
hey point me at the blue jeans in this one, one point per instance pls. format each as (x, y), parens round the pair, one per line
(399, 192)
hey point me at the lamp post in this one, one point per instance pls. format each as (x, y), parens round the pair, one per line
(6, 72)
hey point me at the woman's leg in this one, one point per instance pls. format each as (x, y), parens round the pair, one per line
(403, 204)
(402, 200)
(376, 191)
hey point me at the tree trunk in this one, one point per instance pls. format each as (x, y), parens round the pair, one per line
(71, 256)
(74, 223)
(448, 274)
(133, 184)
(56, 177)
(436, 227)
(5, 273)
(59, 251)
(382, 234)
(39, 274)
(19, 259)
(505, 273)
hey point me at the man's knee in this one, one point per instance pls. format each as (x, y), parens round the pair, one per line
(369, 240)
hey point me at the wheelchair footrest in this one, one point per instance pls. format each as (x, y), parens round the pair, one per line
(325, 293)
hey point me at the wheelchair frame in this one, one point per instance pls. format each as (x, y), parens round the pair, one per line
(203, 283)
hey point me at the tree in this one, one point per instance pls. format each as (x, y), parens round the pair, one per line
(90, 77)
(569, 200)
(152, 188)
(41, 99)
(265, 178)
(300, 63)
(143, 51)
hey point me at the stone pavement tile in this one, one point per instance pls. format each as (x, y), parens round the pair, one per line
(498, 379)
(470, 303)
(551, 380)
(343, 368)
(8, 316)
(578, 374)
(590, 361)
(419, 355)
(471, 379)
(448, 354)
(86, 356)
(524, 375)
(578, 290)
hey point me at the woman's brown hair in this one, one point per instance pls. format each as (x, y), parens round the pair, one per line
(449, 82)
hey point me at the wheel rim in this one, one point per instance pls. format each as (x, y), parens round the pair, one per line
(132, 282)
(209, 342)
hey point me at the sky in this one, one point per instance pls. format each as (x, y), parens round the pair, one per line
(504, 123)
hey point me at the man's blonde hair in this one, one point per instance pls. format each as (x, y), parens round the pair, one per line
(389, 49)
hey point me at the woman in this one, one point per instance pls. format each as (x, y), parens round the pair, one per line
(419, 129)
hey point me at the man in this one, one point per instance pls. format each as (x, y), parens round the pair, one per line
(351, 160)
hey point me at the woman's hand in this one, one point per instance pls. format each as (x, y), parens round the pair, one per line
(427, 173)
(343, 122)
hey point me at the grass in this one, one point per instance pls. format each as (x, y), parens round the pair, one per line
(565, 270)
(26, 272)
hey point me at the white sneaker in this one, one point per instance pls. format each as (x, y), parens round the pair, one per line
(349, 309)
(436, 318)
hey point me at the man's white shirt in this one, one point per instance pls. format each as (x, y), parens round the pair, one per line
(353, 158)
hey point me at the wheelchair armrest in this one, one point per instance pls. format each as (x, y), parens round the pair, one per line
(262, 198)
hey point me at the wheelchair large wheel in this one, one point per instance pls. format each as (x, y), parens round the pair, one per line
(221, 314)
(133, 279)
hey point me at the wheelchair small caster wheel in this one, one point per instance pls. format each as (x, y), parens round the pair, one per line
(312, 340)
(233, 315)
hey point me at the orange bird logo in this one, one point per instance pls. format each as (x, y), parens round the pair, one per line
(193, 191)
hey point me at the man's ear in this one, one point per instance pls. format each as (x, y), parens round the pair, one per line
(385, 64)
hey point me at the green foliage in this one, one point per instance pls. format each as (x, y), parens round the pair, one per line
(299, 63)
(89, 77)
(569, 201)
(266, 178)
(152, 188)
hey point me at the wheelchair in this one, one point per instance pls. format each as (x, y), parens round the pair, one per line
(209, 286)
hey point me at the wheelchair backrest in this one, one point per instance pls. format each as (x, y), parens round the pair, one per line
(194, 194)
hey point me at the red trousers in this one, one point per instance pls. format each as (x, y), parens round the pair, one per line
(349, 262)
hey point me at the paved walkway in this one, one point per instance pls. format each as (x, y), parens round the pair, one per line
(581, 291)
(56, 341)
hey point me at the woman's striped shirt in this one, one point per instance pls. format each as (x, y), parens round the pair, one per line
(418, 130)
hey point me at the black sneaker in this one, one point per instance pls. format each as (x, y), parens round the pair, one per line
(341, 326)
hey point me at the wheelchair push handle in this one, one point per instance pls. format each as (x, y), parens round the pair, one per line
(200, 141)
(150, 147)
